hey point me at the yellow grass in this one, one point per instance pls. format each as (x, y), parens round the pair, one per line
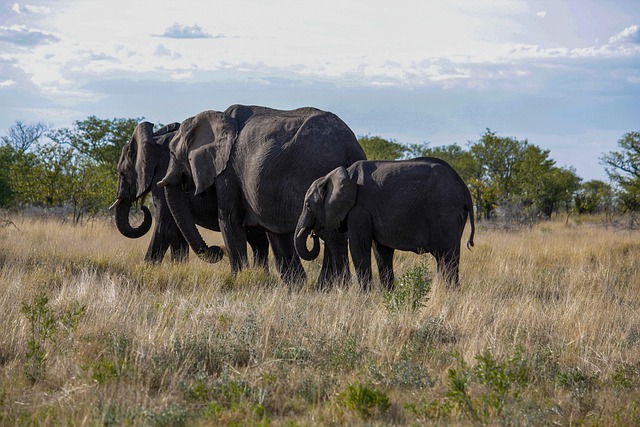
(171, 343)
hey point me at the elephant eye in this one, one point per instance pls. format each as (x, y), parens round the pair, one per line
(307, 207)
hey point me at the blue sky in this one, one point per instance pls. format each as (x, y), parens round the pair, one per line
(563, 74)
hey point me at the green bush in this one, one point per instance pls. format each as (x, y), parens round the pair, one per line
(365, 400)
(410, 292)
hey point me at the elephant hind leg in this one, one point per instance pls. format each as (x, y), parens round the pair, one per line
(448, 265)
(257, 239)
(384, 259)
(287, 261)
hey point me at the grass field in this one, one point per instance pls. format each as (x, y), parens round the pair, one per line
(545, 331)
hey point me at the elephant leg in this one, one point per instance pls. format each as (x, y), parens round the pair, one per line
(360, 242)
(448, 264)
(257, 239)
(384, 259)
(179, 248)
(287, 261)
(158, 245)
(335, 263)
(235, 240)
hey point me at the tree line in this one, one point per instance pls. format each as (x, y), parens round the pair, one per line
(76, 168)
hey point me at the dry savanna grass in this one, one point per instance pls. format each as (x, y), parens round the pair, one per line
(545, 331)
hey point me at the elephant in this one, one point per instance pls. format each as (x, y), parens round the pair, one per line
(418, 205)
(260, 161)
(144, 160)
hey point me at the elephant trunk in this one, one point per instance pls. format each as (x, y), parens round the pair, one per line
(179, 207)
(301, 243)
(123, 206)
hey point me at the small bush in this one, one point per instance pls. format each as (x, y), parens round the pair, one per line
(365, 400)
(410, 292)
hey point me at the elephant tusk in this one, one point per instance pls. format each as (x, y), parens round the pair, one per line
(301, 232)
(115, 204)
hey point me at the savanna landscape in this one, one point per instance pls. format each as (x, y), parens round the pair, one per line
(545, 330)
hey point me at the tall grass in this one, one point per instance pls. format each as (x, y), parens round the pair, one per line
(545, 330)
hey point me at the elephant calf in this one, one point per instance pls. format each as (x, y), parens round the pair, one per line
(418, 205)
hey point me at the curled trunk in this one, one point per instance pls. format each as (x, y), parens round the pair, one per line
(301, 244)
(179, 206)
(123, 224)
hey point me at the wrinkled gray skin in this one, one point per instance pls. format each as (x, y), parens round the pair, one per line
(143, 162)
(261, 162)
(419, 205)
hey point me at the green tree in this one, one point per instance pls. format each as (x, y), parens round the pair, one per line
(540, 185)
(623, 168)
(594, 197)
(497, 157)
(21, 136)
(376, 148)
(7, 160)
(98, 139)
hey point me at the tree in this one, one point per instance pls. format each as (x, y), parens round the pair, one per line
(623, 168)
(376, 148)
(496, 157)
(98, 139)
(21, 136)
(594, 197)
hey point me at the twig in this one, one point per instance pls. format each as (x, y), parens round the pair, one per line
(7, 222)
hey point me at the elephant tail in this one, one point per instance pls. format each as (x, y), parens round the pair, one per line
(472, 220)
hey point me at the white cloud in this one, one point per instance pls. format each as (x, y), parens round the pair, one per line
(7, 83)
(27, 9)
(177, 31)
(628, 35)
(185, 75)
(541, 14)
(24, 36)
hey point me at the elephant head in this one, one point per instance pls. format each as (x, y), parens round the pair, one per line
(326, 205)
(137, 165)
(201, 151)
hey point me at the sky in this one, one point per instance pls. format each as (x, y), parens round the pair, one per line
(564, 75)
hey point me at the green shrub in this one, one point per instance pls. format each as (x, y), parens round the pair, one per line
(365, 400)
(410, 291)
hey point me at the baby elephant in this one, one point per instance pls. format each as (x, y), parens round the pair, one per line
(418, 205)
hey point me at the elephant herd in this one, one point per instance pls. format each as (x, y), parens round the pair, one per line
(275, 178)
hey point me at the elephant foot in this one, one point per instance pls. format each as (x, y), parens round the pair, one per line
(211, 254)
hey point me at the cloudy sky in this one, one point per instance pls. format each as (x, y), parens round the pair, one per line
(563, 74)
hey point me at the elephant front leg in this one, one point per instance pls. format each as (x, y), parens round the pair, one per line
(335, 263)
(158, 245)
(384, 259)
(287, 259)
(179, 249)
(360, 241)
(235, 240)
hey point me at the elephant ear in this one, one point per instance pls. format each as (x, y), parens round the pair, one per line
(339, 197)
(209, 140)
(146, 156)
(171, 127)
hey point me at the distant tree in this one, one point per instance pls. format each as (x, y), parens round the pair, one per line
(594, 197)
(7, 160)
(21, 136)
(623, 168)
(497, 158)
(98, 139)
(377, 148)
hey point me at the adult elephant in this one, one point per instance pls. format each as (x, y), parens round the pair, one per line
(260, 162)
(418, 205)
(143, 162)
